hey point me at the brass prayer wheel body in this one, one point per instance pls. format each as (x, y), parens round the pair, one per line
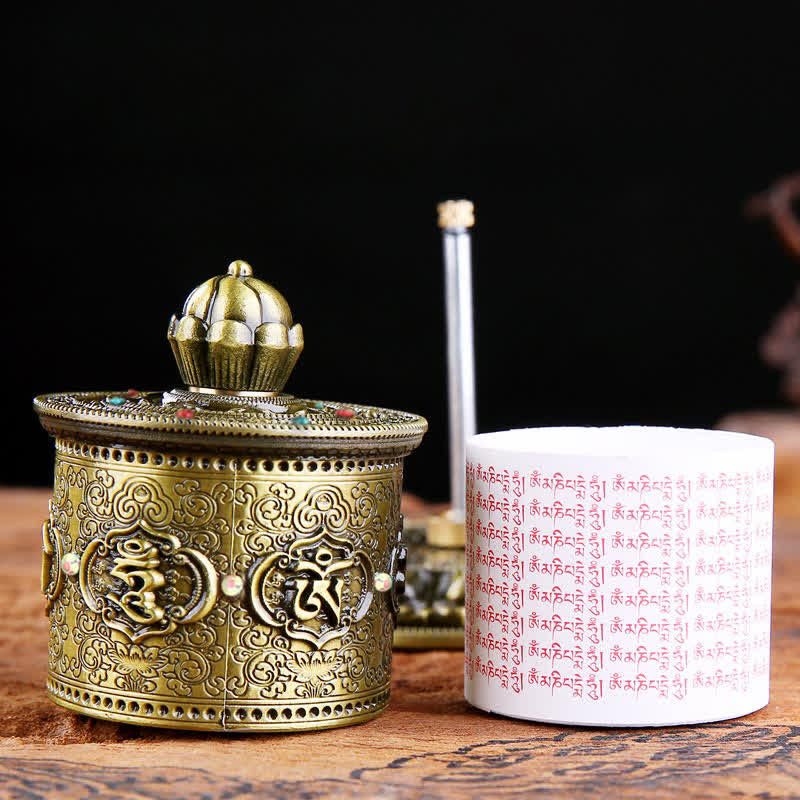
(223, 560)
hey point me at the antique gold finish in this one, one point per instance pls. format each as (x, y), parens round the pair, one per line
(143, 627)
(139, 556)
(52, 575)
(413, 637)
(222, 552)
(236, 333)
(232, 424)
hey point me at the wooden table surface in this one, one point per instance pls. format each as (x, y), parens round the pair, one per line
(429, 744)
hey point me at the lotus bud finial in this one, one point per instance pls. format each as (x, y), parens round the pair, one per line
(236, 334)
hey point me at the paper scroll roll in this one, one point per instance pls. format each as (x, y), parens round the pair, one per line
(618, 576)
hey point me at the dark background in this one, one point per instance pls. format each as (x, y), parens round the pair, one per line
(616, 277)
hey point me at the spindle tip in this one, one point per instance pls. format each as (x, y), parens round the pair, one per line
(456, 214)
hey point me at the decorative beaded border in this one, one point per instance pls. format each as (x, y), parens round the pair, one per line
(368, 422)
(413, 637)
(150, 458)
(210, 716)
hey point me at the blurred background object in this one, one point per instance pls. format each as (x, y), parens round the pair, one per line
(780, 348)
(431, 613)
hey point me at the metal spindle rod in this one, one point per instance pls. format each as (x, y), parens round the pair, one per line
(456, 217)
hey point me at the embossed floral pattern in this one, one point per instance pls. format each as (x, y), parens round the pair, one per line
(315, 666)
(135, 660)
(232, 526)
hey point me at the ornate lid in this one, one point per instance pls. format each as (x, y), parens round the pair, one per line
(236, 345)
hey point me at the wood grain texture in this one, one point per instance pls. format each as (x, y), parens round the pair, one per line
(430, 744)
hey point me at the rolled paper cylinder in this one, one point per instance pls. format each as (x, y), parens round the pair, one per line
(618, 576)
